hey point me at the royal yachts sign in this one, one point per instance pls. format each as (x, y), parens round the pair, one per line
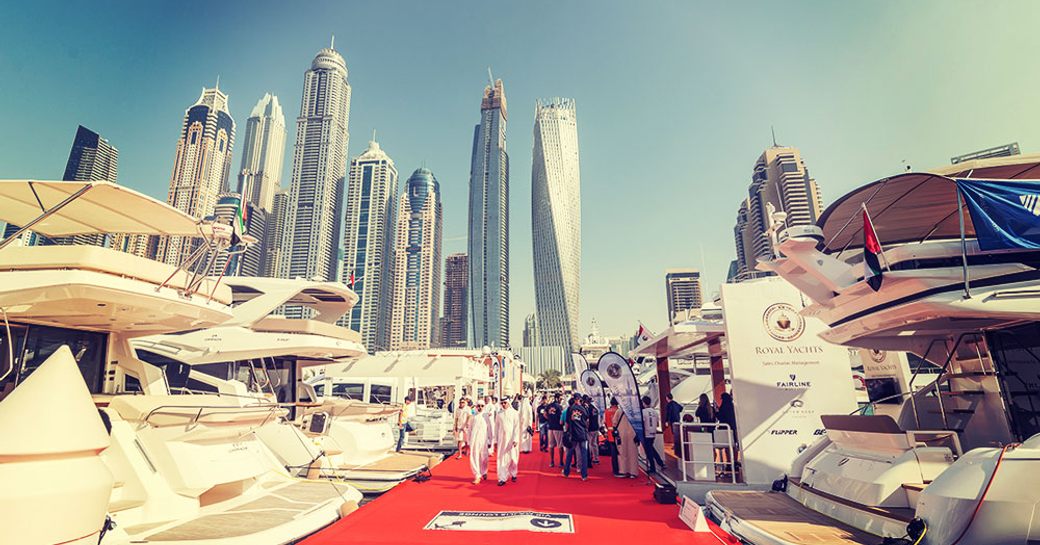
(784, 376)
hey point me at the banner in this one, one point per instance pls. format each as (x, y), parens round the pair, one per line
(784, 376)
(591, 385)
(502, 521)
(621, 382)
(1005, 213)
(580, 364)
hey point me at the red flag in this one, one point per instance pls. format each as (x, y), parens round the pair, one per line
(351, 283)
(871, 251)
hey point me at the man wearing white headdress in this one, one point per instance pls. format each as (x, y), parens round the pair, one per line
(526, 424)
(507, 428)
(478, 444)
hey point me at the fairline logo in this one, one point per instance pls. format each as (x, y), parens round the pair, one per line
(1031, 203)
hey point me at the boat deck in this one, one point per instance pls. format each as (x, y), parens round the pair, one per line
(781, 516)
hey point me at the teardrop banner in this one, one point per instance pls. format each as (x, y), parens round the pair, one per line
(621, 382)
(591, 385)
(580, 364)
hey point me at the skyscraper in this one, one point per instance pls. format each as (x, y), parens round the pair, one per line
(368, 243)
(319, 167)
(683, 290)
(263, 151)
(417, 265)
(201, 166)
(781, 179)
(275, 234)
(556, 221)
(531, 330)
(489, 224)
(92, 158)
(453, 324)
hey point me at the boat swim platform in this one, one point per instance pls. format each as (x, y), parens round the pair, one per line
(280, 505)
(777, 514)
(604, 509)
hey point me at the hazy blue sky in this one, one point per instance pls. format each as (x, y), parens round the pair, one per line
(675, 101)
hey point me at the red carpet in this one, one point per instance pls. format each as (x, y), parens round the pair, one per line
(605, 509)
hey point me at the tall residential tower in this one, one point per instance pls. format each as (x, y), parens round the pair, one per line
(683, 291)
(368, 242)
(453, 323)
(556, 222)
(260, 177)
(319, 168)
(201, 166)
(489, 224)
(417, 265)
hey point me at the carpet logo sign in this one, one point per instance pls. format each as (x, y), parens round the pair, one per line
(783, 322)
(502, 521)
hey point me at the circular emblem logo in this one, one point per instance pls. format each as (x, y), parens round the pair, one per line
(591, 381)
(545, 523)
(797, 403)
(614, 370)
(877, 355)
(783, 322)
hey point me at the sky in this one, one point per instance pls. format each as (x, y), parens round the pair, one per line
(675, 103)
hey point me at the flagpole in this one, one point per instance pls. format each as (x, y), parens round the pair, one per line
(881, 248)
(964, 244)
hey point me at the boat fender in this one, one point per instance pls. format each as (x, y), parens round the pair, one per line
(347, 508)
(915, 531)
(780, 485)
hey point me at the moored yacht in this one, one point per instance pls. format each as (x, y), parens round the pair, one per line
(263, 355)
(179, 469)
(953, 459)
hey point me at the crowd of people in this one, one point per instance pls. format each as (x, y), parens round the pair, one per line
(570, 428)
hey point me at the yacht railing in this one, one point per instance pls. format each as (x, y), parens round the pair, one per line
(702, 437)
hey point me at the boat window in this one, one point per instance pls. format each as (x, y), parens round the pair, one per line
(41, 341)
(1016, 353)
(349, 391)
(9, 366)
(319, 390)
(177, 372)
(381, 393)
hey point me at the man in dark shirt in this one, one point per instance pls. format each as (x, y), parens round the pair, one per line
(552, 414)
(543, 425)
(578, 434)
(672, 416)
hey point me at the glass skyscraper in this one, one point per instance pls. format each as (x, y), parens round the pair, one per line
(489, 224)
(417, 265)
(368, 243)
(556, 222)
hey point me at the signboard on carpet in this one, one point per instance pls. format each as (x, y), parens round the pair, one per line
(502, 521)
(784, 376)
(690, 513)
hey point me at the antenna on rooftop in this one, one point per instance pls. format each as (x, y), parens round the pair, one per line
(218, 82)
(373, 135)
(772, 130)
(332, 44)
(491, 78)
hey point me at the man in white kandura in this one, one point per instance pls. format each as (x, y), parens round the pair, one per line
(491, 411)
(507, 428)
(478, 444)
(526, 424)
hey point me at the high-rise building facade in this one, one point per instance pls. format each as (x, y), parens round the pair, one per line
(488, 244)
(417, 265)
(780, 179)
(453, 324)
(683, 290)
(201, 166)
(263, 151)
(556, 221)
(368, 228)
(531, 330)
(275, 234)
(92, 158)
(318, 171)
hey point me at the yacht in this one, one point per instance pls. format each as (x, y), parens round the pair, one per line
(266, 356)
(952, 460)
(95, 447)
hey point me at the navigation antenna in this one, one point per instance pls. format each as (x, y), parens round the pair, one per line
(772, 130)
(491, 79)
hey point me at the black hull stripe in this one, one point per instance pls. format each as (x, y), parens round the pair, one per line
(1023, 276)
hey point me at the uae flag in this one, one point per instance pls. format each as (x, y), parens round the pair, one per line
(871, 253)
(643, 334)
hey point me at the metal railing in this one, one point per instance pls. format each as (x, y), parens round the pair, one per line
(716, 436)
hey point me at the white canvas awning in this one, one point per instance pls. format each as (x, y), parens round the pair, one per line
(426, 367)
(103, 207)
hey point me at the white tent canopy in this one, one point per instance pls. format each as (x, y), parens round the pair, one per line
(101, 207)
(426, 368)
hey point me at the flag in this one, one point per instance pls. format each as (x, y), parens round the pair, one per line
(643, 335)
(1004, 213)
(238, 225)
(871, 251)
(351, 283)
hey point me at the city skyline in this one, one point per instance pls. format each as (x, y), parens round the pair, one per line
(855, 128)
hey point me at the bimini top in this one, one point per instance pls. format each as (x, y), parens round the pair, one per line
(916, 206)
(101, 207)
(255, 298)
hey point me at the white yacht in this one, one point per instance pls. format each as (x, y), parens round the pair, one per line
(952, 461)
(262, 355)
(165, 468)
